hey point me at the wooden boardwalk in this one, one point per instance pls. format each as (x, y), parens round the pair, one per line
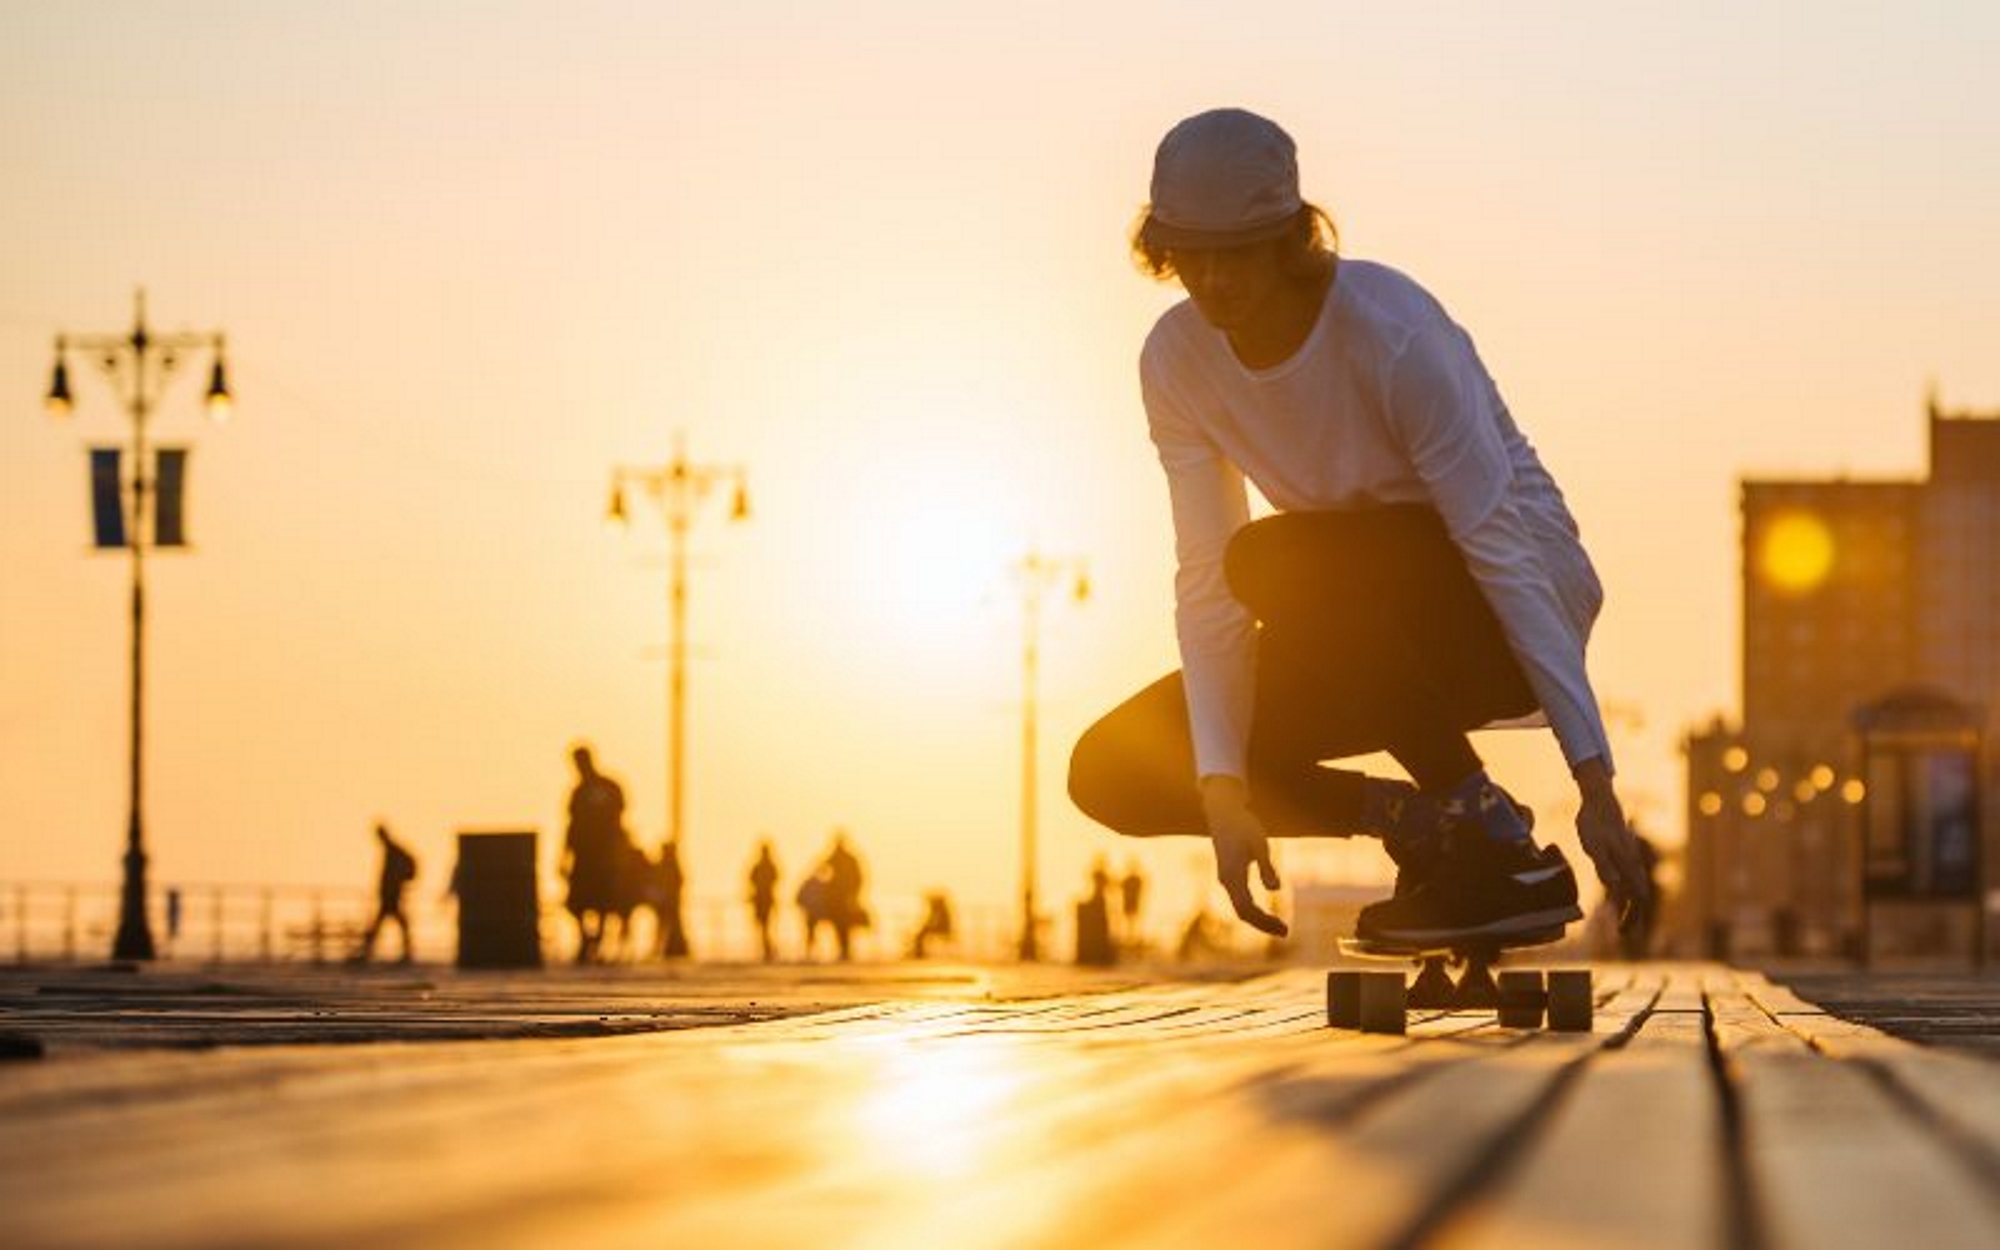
(1708, 1108)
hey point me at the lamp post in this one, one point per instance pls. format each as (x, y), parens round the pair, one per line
(678, 488)
(1038, 574)
(139, 364)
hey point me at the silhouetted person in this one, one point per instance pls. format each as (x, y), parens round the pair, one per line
(669, 897)
(764, 896)
(1093, 922)
(937, 925)
(1421, 578)
(832, 896)
(399, 868)
(1635, 937)
(631, 888)
(815, 900)
(844, 883)
(591, 846)
(1199, 938)
(1132, 898)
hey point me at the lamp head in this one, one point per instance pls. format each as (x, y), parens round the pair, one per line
(57, 402)
(218, 397)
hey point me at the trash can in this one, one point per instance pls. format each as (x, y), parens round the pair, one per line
(499, 908)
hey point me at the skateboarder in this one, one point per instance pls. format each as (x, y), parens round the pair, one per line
(1421, 578)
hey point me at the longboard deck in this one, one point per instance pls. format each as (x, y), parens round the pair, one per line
(1486, 947)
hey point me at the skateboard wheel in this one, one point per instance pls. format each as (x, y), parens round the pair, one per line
(1570, 1007)
(1343, 1000)
(1521, 999)
(1383, 1002)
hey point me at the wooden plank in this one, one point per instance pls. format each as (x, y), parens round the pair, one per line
(1831, 1160)
(1643, 1125)
(1395, 1157)
(784, 1131)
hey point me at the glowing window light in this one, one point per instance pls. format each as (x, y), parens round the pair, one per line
(1822, 777)
(1852, 790)
(1753, 804)
(1710, 804)
(1805, 791)
(1767, 779)
(1735, 759)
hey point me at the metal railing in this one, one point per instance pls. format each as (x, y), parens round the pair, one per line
(216, 923)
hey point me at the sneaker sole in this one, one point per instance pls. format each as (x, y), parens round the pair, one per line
(1511, 926)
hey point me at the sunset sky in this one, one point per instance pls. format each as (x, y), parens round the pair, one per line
(471, 256)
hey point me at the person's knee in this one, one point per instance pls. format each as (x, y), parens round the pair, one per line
(1259, 562)
(1092, 764)
(1119, 787)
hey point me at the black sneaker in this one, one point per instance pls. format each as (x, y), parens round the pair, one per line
(1417, 856)
(1478, 888)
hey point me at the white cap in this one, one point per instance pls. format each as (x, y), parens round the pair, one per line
(1222, 178)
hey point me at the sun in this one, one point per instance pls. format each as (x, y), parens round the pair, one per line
(1796, 553)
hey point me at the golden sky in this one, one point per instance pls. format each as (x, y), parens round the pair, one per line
(471, 256)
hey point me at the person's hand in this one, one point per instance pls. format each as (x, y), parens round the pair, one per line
(1609, 841)
(1240, 840)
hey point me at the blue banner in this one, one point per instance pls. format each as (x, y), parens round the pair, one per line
(169, 489)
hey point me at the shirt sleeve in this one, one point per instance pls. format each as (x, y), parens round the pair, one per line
(1217, 635)
(1441, 405)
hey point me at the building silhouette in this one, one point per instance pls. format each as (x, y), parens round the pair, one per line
(1853, 592)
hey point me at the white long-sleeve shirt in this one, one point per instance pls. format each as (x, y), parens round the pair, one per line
(1386, 402)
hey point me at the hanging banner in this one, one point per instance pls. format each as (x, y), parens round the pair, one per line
(107, 497)
(169, 489)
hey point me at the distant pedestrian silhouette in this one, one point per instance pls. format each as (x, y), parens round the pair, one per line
(832, 896)
(631, 888)
(1094, 946)
(399, 868)
(764, 896)
(937, 925)
(1132, 899)
(669, 888)
(591, 856)
(1635, 936)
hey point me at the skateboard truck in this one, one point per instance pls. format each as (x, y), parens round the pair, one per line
(1379, 1002)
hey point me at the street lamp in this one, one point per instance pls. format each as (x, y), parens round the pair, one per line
(678, 487)
(139, 364)
(1038, 574)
